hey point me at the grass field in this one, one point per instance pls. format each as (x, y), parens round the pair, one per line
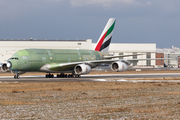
(89, 100)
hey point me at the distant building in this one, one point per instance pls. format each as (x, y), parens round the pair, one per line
(173, 52)
(160, 63)
(148, 50)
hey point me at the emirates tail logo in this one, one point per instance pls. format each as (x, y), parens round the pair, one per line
(105, 38)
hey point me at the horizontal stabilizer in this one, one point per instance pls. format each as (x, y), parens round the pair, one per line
(110, 57)
(131, 60)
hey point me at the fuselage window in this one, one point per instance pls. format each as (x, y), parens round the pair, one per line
(39, 53)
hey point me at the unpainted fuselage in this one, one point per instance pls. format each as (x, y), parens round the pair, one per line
(34, 59)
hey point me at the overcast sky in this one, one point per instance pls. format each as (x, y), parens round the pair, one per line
(137, 21)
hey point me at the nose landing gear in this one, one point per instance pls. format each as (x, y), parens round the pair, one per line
(17, 73)
(16, 76)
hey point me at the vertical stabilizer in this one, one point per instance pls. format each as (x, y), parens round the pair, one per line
(105, 38)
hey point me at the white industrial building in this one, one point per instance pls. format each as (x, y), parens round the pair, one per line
(9, 46)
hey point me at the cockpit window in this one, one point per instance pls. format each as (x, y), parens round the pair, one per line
(14, 58)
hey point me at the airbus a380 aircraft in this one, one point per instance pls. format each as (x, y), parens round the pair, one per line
(60, 61)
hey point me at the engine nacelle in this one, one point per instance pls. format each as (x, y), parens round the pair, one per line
(6, 67)
(119, 66)
(82, 69)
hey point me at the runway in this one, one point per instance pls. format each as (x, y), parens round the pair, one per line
(96, 78)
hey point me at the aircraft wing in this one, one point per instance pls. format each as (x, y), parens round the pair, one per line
(71, 65)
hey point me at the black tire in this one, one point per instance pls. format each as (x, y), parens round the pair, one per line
(16, 76)
(76, 75)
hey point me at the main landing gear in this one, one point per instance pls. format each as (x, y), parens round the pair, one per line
(49, 75)
(62, 75)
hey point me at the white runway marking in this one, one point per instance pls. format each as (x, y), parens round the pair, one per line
(137, 81)
(121, 80)
(131, 74)
(20, 76)
(102, 80)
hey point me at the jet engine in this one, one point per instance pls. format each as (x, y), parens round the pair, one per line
(82, 69)
(119, 66)
(6, 66)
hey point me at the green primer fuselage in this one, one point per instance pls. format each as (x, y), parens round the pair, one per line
(35, 59)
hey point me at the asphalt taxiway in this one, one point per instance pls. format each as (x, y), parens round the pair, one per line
(98, 78)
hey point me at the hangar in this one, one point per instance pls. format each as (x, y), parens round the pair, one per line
(9, 46)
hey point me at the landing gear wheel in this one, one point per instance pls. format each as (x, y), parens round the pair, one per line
(65, 75)
(76, 75)
(49, 75)
(69, 76)
(61, 75)
(52, 76)
(58, 76)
